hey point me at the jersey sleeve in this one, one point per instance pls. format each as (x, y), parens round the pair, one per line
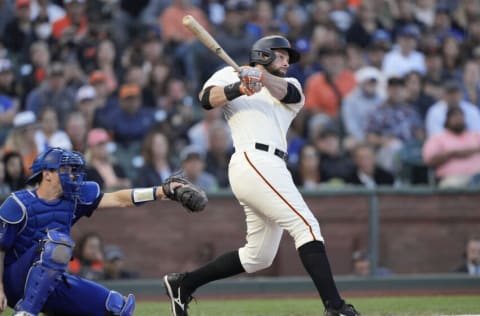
(222, 77)
(297, 106)
(12, 218)
(90, 197)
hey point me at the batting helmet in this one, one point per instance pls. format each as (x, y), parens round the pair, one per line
(262, 51)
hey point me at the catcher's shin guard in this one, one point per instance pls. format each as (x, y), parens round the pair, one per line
(44, 275)
(119, 305)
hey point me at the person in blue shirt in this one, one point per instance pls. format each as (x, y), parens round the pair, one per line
(35, 242)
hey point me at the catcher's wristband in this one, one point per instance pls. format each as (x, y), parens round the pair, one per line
(142, 195)
(232, 91)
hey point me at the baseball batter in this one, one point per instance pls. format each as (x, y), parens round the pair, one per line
(260, 104)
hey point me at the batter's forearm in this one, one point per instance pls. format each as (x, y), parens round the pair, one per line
(277, 86)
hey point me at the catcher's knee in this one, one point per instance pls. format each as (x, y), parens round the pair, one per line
(254, 261)
(119, 305)
(56, 251)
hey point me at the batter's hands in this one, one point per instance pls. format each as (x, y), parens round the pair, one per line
(251, 80)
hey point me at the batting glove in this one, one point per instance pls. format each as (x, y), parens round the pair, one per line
(251, 80)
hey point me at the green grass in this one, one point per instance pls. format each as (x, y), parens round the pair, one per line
(381, 306)
(392, 306)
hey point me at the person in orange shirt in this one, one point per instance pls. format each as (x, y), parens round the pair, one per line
(73, 26)
(173, 31)
(324, 90)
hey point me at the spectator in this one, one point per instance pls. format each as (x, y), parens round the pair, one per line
(404, 58)
(34, 72)
(193, 165)
(361, 31)
(392, 125)
(359, 104)
(22, 138)
(324, 91)
(86, 103)
(105, 103)
(306, 173)
(76, 129)
(156, 160)
(451, 56)
(380, 44)
(4, 186)
(49, 135)
(8, 104)
(127, 22)
(100, 165)
(416, 95)
(53, 91)
(455, 152)
(106, 62)
(367, 173)
(132, 121)
(114, 265)
(88, 258)
(471, 264)
(218, 153)
(72, 28)
(425, 12)
(472, 39)
(335, 166)
(53, 11)
(14, 171)
(471, 82)
(362, 268)
(173, 32)
(19, 34)
(452, 97)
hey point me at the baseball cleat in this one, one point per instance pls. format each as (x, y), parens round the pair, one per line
(21, 313)
(179, 298)
(344, 310)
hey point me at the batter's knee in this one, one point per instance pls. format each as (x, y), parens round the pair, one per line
(303, 233)
(253, 261)
(119, 305)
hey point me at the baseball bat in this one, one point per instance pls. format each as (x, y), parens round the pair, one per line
(203, 36)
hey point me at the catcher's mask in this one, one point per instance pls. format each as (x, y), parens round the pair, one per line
(70, 166)
(262, 51)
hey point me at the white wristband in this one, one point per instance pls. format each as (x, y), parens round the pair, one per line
(142, 195)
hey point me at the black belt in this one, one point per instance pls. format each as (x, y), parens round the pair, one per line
(277, 152)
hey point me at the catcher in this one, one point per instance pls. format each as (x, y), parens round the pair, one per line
(35, 242)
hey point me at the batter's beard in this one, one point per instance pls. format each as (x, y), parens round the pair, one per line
(276, 72)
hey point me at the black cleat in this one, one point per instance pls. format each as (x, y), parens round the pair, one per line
(344, 310)
(178, 297)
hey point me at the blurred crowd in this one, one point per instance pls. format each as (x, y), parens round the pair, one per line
(392, 88)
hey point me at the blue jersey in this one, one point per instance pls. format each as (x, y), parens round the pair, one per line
(26, 218)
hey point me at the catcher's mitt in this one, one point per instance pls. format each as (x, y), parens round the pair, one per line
(192, 198)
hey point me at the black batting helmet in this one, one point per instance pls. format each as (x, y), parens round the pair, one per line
(262, 51)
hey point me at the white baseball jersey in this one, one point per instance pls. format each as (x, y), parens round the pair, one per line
(259, 179)
(257, 118)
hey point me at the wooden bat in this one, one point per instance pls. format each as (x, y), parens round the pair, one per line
(201, 33)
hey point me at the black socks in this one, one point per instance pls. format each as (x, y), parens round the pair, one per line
(224, 266)
(315, 261)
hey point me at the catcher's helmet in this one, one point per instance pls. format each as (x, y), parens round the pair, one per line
(69, 164)
(262, 51)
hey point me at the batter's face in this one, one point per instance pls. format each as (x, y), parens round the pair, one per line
(280, 64)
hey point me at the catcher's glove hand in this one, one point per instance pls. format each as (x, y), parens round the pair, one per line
(192, 198)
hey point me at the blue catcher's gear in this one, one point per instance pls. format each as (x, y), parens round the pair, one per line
(118, 305)
(45, 273)
(69, 164)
